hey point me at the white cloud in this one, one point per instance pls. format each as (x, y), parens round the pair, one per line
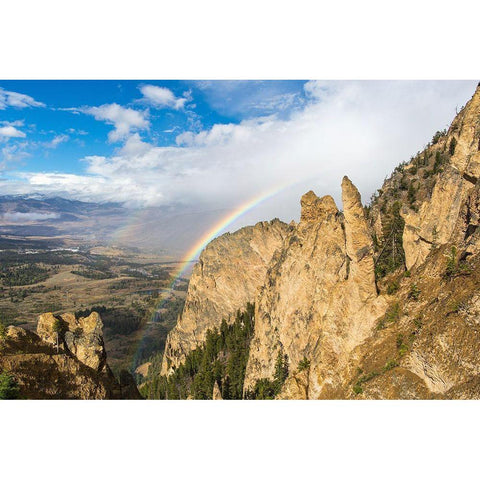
(17, 100)
(362, 129)
(57, 140)
(125, 120)
(161, 97)
(73, 131)
(14, 152)
(20, 217)
(16, 123)
(10, 131)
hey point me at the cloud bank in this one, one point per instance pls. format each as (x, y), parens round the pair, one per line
(362, 129)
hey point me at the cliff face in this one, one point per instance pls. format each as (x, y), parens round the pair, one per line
(319, 298)
(230, 270)
(74, 367)
(344, 335)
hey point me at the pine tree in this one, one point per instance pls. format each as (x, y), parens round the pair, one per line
(392, 255)
(453, 144)
(281, 371)
(59, 329)
(8, 387)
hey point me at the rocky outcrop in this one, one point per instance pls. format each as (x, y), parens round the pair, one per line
(81, 337)
(227, 276)
(319, 297)
(435, 220)
(75, 368)
(358, 243)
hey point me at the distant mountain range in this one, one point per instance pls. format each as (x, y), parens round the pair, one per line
(168, 230)
(28, 215)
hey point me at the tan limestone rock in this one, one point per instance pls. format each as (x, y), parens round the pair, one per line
(82, 337)
(319, 298)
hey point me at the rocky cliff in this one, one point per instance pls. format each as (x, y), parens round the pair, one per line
(227, 276)
(377, 302)
(65, 359)
(319, 297)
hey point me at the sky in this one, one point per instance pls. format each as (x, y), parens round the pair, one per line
(206, 147)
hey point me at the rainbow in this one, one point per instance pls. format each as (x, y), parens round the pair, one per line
(221, 225)
(194, 252)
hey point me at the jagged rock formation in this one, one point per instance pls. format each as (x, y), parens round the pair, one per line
(346, 335)
(82, 338)
(319, 298)
(75, 368)
(230, 270)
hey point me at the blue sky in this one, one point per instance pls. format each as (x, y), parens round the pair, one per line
(213, 145)
(76, 135)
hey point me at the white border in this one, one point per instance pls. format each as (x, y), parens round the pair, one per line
(248, 39)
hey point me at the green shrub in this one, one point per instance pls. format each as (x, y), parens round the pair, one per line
(414, 292)
(3, 330)
(451, 267)
(8, 387)
(390, 365)
(438, 135)
(403, 349)
(458, 306)
(434, 236)
(304, 364)
(439, 161)
(418, 322)
(392, 315)
(412, 194)
(392, 287)
(59, 326)
(357, 389)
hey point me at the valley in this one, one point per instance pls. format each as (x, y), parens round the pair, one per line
(132, 291)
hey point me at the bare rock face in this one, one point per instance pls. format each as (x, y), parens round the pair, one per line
(319, 297)
(358, 242)
(314, 208)
(82, 337)
(435, 221)
(230, 270)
